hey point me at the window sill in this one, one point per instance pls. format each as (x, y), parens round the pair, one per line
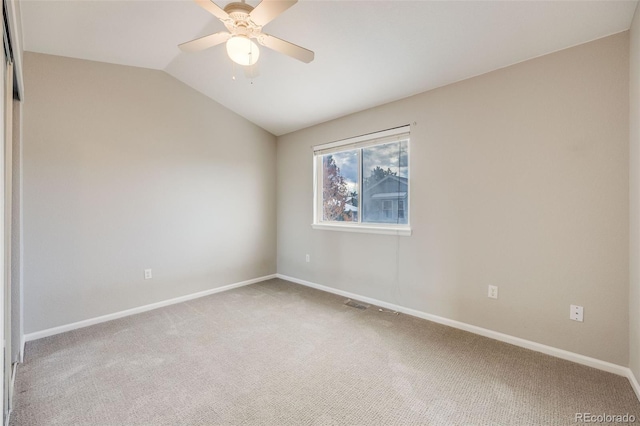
(404, 231)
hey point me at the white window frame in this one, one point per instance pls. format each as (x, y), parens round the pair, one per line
(364, 141)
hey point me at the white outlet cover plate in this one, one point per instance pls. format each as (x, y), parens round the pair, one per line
(493, 292)
(576, 313)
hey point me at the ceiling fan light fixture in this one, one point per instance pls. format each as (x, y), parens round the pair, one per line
(242, 50)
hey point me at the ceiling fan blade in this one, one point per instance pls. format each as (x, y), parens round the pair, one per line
(205, 42)
(268, 10)
(213, 9)
(289, 49)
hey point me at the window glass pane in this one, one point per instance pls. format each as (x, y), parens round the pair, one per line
(340, 186)
(385, 185)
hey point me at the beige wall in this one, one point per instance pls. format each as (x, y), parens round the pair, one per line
(519, 179)
(126, 169)
(634, 196)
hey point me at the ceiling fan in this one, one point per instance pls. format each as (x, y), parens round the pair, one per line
(245, 23)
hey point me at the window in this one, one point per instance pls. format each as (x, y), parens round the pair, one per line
(362, 184)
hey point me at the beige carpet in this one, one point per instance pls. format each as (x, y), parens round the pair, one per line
(277, 353)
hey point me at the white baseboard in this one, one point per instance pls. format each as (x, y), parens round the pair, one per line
(634, 382)
(523, 343)
(97, 320)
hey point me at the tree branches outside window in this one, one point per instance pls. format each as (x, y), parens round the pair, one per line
(334, 192)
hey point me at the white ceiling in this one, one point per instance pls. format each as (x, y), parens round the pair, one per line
(367, 53)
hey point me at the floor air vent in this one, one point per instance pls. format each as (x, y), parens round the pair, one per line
(356, 305)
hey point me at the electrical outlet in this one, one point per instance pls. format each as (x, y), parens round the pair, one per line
(308, 258)
(576, 313)
(147, 274)
(493, 292)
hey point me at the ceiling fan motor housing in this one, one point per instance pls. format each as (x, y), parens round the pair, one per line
(240, 22)
(238, 7)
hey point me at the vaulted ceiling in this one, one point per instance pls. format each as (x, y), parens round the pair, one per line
(367, 53)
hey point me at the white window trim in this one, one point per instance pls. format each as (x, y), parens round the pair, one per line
(369, 228)
(356, 143)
